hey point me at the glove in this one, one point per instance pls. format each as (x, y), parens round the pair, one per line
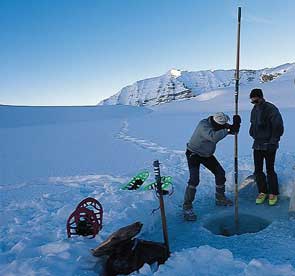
(235, 127)
(237, 119)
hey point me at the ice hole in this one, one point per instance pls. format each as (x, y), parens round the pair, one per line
(226, 226)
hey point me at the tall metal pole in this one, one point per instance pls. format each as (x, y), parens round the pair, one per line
(237, 78)
(162, 207)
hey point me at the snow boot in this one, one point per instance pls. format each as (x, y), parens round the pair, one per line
(222, 200)
(261, 198)
(189, 215)
(272, 200)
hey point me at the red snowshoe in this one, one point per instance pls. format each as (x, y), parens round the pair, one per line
(86, 220)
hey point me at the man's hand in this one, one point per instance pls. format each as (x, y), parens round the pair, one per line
(235, 127)
(237, 119)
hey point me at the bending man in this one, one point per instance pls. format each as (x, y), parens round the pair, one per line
(200, 150)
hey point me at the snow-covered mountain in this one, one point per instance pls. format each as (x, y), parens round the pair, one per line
(177, 84)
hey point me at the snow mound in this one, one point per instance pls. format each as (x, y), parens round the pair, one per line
(206, 260)
(209, 95)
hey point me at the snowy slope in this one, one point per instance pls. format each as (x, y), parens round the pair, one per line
(41, 142)
(176, 84)
(51, 158)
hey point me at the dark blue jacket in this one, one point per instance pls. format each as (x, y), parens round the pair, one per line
(266, 126)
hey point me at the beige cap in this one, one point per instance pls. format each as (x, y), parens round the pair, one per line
(221, 118)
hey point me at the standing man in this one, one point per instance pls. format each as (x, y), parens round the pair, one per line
(200, 150)
(266, 129)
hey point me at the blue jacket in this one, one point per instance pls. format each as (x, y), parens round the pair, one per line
(205, 137)
(266, 126)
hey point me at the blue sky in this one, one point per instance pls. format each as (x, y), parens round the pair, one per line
(77, 52)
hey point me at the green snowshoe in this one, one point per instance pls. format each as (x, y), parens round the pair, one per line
(166, 183)
(136, 181)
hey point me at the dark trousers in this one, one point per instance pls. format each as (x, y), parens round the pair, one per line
(194, 161)
(270, 185)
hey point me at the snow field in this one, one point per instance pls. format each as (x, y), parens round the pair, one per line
(48, 167)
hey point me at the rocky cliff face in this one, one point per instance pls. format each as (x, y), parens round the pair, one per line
(177, 84)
